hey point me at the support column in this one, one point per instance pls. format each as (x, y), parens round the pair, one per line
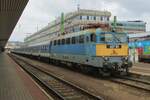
(1, 49)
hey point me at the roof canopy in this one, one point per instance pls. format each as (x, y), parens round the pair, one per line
(10, 12)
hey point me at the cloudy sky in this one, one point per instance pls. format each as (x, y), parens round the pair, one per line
(38, 13)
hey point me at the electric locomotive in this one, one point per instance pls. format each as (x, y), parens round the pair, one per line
(106, 52)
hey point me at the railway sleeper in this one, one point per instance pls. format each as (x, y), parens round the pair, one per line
(75, 97)
(69, 93)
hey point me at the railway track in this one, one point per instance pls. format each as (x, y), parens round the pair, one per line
(133, 82)
(60, 88)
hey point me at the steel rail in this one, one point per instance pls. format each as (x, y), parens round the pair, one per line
(132, 82)
(57, 85)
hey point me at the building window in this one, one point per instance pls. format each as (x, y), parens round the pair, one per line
(84, 17)
(101, 18)
(94, 17)
(87, 17)
(97, 17)
(107, 18)
(90, 17)
(81, 17)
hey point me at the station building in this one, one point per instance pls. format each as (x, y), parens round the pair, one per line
(79, 20)
(12, 45)
(131, 27)
(68, 23)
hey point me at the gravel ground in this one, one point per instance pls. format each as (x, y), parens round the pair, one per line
(104, 88)
(143, 65)
(141, 68)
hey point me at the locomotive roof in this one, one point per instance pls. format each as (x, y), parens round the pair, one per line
(76, 34)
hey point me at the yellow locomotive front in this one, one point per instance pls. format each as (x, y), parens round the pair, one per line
(110, 50)
(113, 48)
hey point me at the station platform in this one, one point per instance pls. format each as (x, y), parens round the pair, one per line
(141, 68)
(15, 84)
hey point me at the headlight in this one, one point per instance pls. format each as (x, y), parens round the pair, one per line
(125, 58)
(106, 58)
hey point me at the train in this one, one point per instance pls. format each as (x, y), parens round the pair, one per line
(84, 40)
(90, 50)
(143, 49)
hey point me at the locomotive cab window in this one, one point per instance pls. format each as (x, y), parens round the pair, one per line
(55, 42)
(81, 39)
(87, 39)
(106, 37)
(92, 37)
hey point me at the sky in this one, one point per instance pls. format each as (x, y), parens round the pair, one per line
(38, 13)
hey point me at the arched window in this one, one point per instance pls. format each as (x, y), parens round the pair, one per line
(93, 37)
(63, 41)
(87, 39)
(55, 42)
(58, 42)
(81, 39)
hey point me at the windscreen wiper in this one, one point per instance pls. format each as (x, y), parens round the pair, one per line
(117, 39)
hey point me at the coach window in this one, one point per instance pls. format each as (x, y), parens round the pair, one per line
(73, 40)
(68, 41)
(55, 42)
(87, 39)
(58, 42)
(77, 39)
(81, 39)
(50, 42)
(63, 41)
(45, 47)
(92, 37)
